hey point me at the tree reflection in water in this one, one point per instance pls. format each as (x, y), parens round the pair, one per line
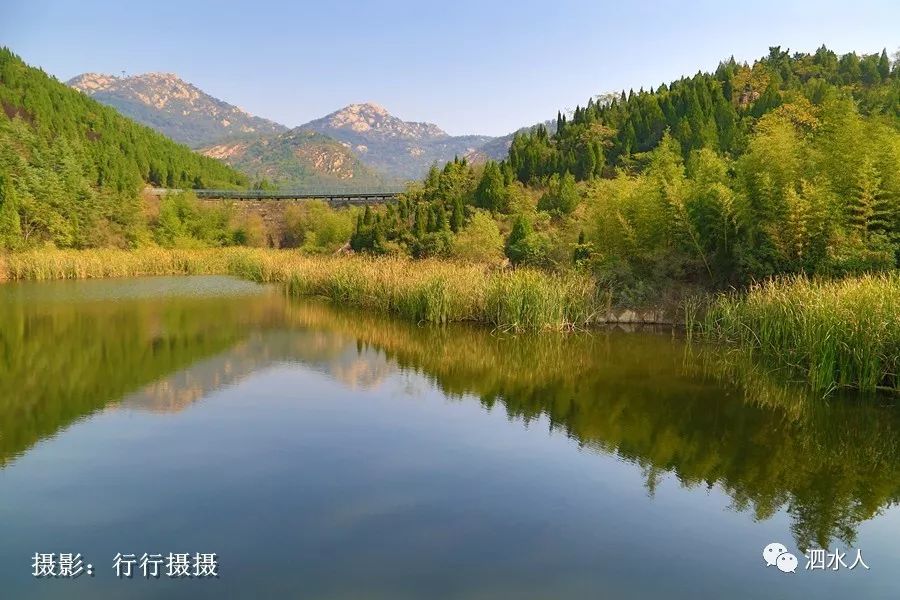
(702, 415)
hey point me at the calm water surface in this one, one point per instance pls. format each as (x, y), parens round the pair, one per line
(328, 454)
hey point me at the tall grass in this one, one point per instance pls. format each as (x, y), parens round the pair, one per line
(835, 334)
(435, 291)
(89, 264)
(429, 291)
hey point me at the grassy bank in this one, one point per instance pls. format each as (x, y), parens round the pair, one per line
(422, 291)
(42, 265)
(833, 334)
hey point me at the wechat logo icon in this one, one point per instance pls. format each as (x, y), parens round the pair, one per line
(777, 554)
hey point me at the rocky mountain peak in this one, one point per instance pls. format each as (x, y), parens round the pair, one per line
(153, 89)
(369, 108)
(92, 82)
(174, 107)
(370, 120)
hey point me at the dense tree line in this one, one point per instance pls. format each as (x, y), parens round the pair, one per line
(71, 168)
(791, 165)
(816, 191)
(425, 218)
(710, 110)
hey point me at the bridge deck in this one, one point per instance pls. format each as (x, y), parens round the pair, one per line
(351, 196)
(335, 196)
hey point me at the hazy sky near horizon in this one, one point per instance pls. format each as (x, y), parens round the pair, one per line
(469, 66)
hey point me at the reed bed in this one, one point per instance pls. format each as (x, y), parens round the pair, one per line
(39, 265)
(834, 333)
(429, 291)
(434, 291)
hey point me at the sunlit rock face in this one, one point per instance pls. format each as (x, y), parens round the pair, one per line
(174, 107)
(296, 158)
(394, 147)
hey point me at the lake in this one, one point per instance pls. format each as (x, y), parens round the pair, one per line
(322, 453)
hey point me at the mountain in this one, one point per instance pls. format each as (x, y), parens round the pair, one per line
(257, 147)
(71, 168)
(294, 159)
(390, 145)
(174, 107)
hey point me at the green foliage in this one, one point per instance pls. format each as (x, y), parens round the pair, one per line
(264, 185)
(457, 219)
(317, 228)
(10, 223)
(786, 166)
(480, 241)
(710, 110)
(583, 250)
(491, 193)
(834, 334)
(561, 197)
(424, 220)
(525, 246)
(75, 166)
(816, 191)
(251, 231)
(821, 191)
(790, 165)
(184, 223)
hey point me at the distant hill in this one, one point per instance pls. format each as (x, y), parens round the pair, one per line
(296, 158)
(71, 168)
(257, 147)
(390, 145)
(174, 107)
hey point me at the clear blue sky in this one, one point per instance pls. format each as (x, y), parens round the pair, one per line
(471, 67)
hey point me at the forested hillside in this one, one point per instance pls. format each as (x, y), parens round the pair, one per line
(710, 110)
(71, 168)
(296, 159)
(789, 165)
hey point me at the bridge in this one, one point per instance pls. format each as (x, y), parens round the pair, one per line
(337, 196)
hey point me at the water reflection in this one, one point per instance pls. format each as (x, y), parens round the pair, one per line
(711, 422)
(60, 362)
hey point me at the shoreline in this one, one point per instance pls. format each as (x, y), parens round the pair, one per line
(431, 291)
(832, 333)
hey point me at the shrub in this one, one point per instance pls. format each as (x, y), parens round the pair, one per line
(524, 246)
(317, 228)
(479, 241)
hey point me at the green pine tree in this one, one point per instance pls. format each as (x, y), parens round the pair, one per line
(458, 217)
(491, 192)
(517, 248)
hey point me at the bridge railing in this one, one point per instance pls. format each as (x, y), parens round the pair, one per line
(310, 192)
